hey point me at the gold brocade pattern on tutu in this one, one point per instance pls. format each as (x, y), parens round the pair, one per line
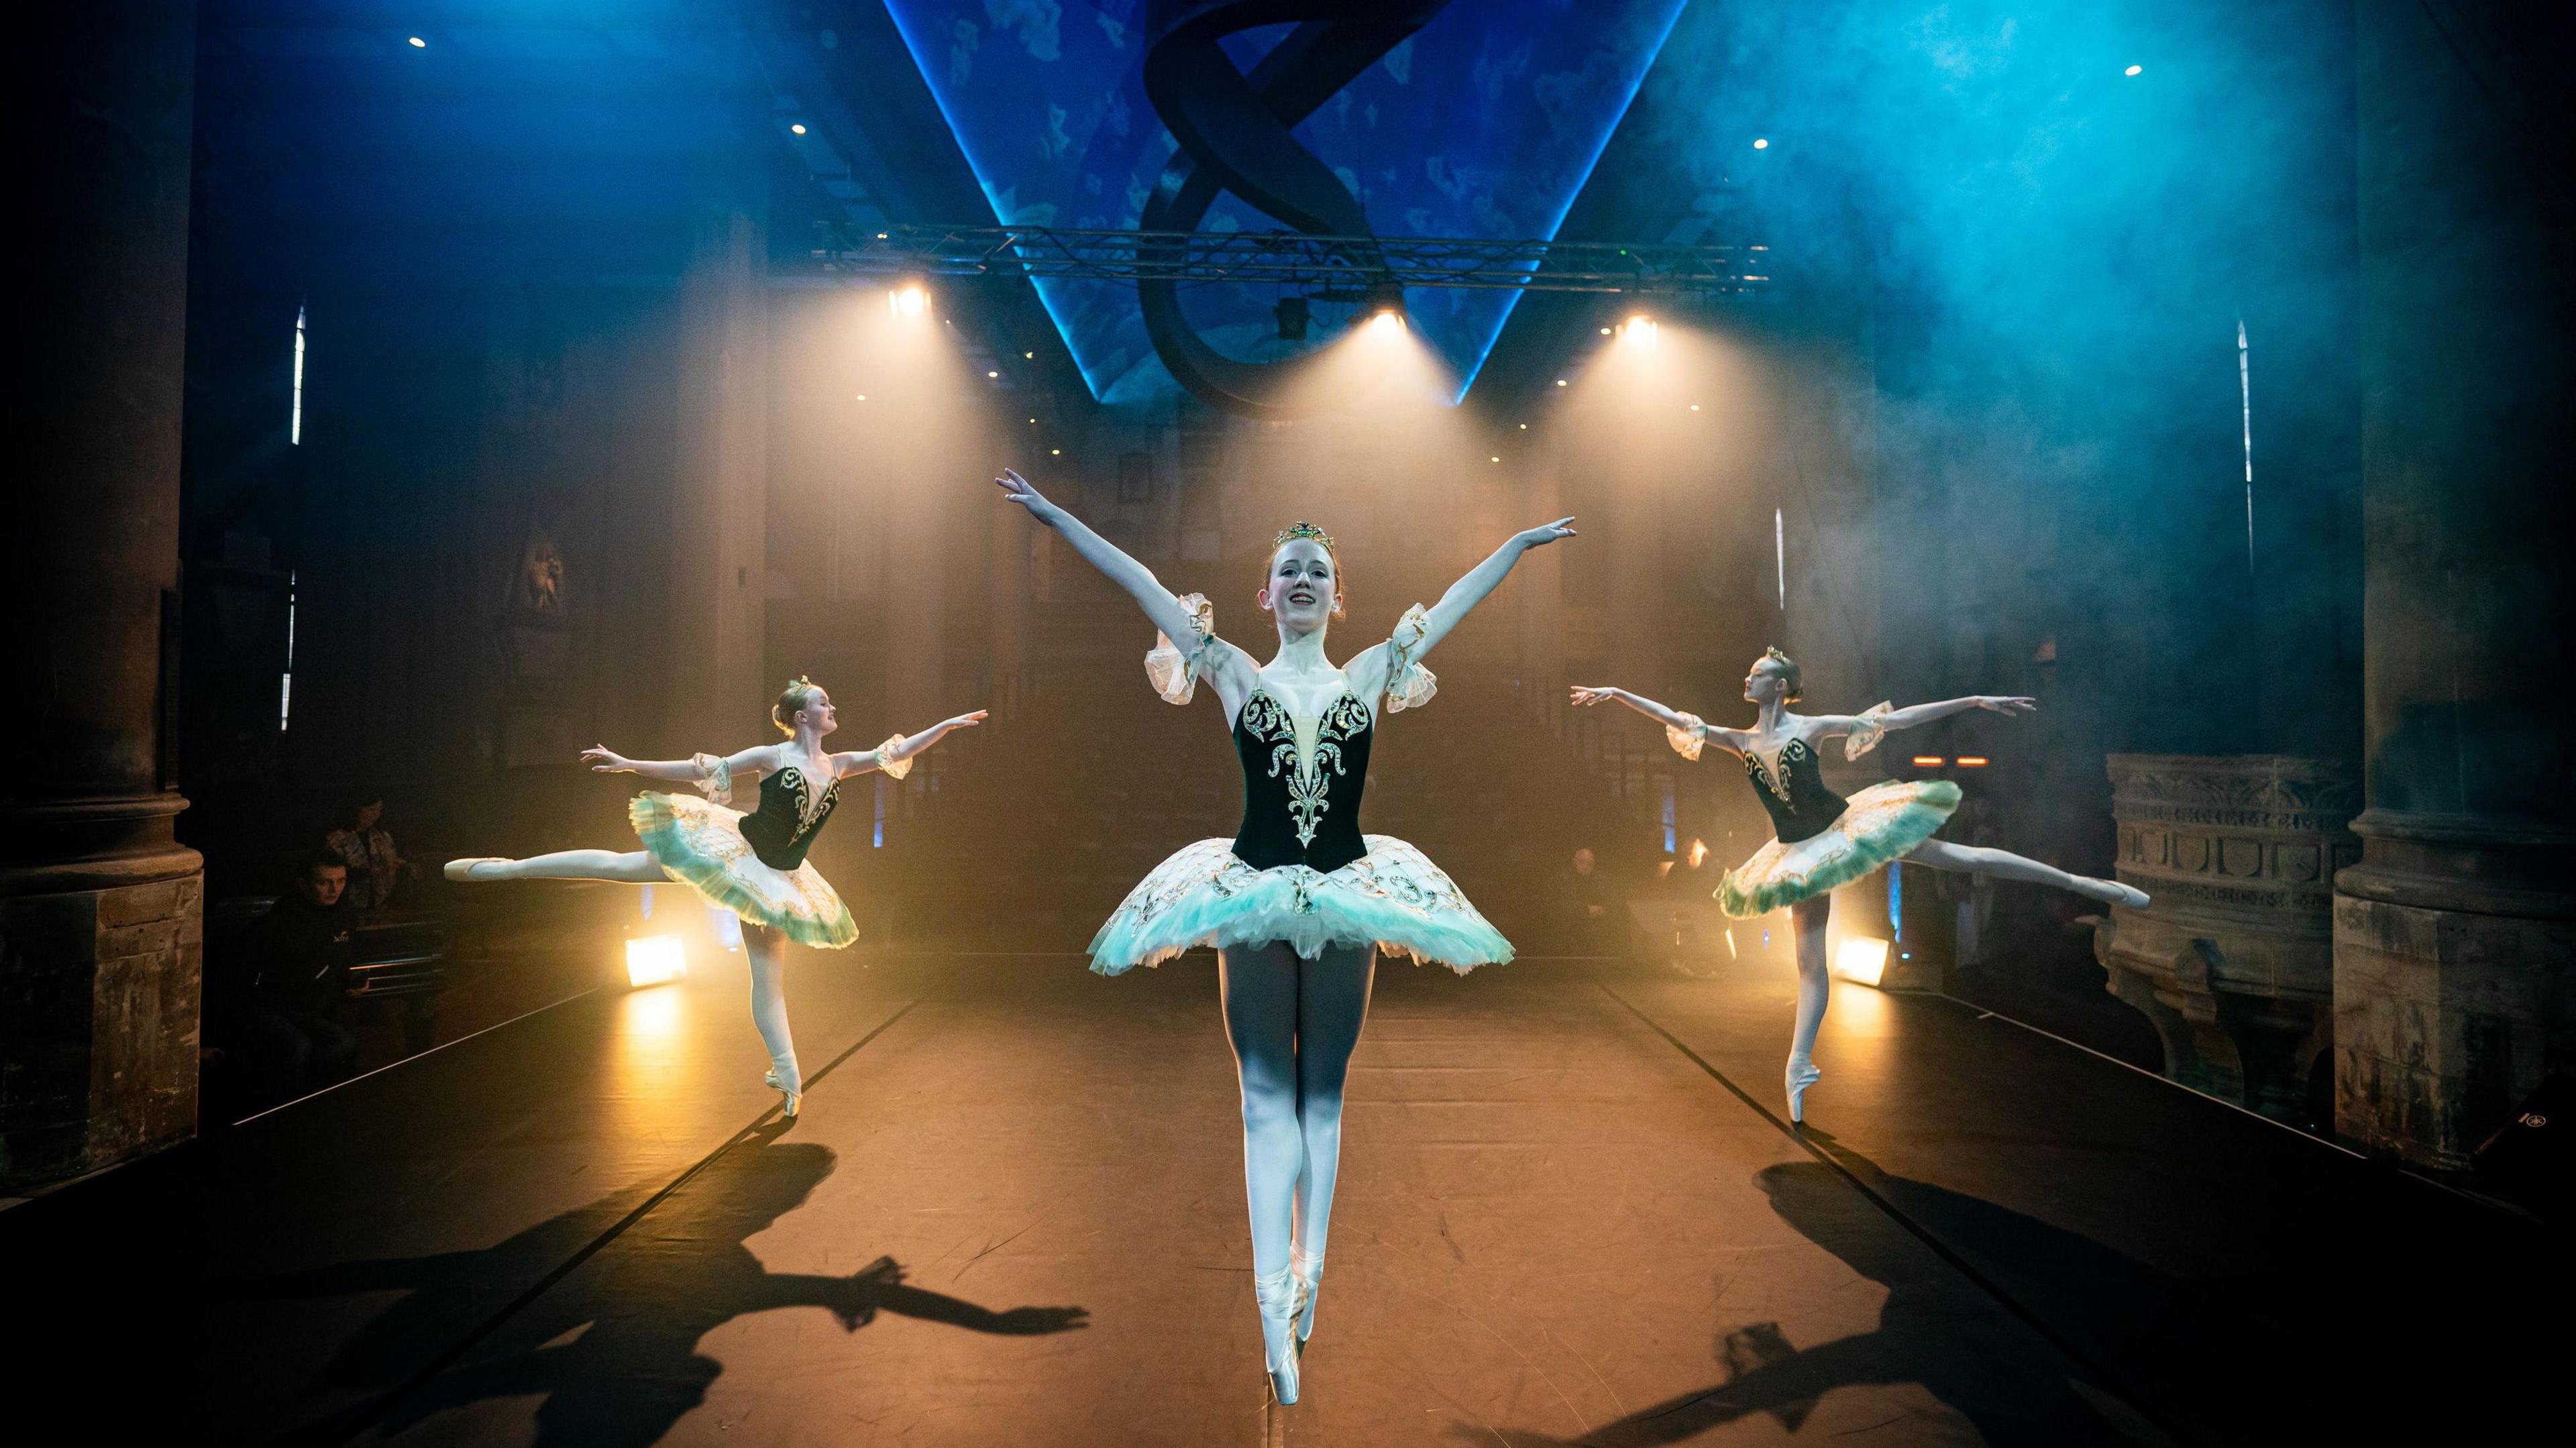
(700, 844)
(1393, 898)
(1879, 824)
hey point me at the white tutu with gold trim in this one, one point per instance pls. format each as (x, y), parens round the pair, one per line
(1393, 897)
(699, 843)
(1878, 824)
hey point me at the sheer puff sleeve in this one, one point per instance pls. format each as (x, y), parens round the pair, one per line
(1408, 684)
(1866, 728)
(887, 763)
(715, 778)
(1689, 737)
(1173, 673)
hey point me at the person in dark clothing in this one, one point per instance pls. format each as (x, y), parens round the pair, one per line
(1594, 918)
(285, 995)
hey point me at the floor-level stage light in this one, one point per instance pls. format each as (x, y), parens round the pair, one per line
(1861, 960)
(654, 959)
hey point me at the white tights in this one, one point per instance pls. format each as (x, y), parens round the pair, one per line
(1808, 919)
(1293, 1024)
(766, 948)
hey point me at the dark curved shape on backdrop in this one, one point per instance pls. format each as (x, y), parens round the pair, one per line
(1234, 132)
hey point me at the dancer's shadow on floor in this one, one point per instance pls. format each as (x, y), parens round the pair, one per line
(1936, 1329)
(613, 1347)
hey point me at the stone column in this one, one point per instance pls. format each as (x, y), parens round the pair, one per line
(719, 555)
(2454, 935)
(99, 935)
(2234, 960)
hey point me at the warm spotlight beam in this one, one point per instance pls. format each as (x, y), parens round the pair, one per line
(1295, 259)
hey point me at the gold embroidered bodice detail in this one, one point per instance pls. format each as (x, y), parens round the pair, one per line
(809, 805)
(1304, 749)
(1775, 777)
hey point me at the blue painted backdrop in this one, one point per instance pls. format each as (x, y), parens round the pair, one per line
(1485, 124)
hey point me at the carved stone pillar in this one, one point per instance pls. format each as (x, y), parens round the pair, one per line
(99, 904)
(2234, 962)
(2455, 936)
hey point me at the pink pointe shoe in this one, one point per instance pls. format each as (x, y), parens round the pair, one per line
(476, 867)
(1276, 1295)
(1308, 1273)
(795, 1099)
(1802, 1074)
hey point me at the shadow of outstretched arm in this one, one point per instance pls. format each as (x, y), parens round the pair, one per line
(879, 1286)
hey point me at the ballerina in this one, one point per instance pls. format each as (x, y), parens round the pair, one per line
(1299, 902)
(753, 865)
(1826, 841)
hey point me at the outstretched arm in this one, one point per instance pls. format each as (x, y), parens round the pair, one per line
(604, 760)
(1160, 606)
(1587, 695)
(1914, 714)
(906, 746)
(1483, 579)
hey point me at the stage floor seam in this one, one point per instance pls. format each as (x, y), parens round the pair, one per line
(2128, 1396)
(454, 1352)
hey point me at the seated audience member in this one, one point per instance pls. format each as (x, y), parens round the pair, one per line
(1594, 919)
(280, 1000)
(361, 842)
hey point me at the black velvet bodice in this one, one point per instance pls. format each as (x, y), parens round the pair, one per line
(1799, 804)
(1301, 807)
(779, 831)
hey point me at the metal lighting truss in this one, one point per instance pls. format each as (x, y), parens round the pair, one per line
(1342, 268)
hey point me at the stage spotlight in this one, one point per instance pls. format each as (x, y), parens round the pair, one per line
(1386, 308)
(1762, 143)
(1560, 382)
(1495, 458)
(1605, 331)
(1638, 331)
(654, 959)
(1293, 314)
(419, 44)
(910, 297)
(863, 397)
(1055, 452)
(1032, 356)
(797, 128)
(1862, 961)
(992, 376)
(2132, 70)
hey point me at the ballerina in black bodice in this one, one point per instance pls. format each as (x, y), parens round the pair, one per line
(1299, 902)
(1826, 841)
(751, 864)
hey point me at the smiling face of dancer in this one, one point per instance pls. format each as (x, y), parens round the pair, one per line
(1303, 590)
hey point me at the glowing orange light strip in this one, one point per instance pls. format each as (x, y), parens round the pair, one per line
(1927, 761)
(1972, 761)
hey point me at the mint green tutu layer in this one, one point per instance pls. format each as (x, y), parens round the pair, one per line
(1393, 898)
(1881, 823)
(701, 845)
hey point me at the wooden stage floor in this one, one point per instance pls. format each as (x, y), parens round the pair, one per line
(1012, 1212)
